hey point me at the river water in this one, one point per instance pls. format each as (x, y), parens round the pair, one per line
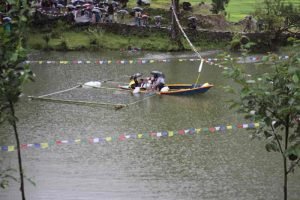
(212, 166)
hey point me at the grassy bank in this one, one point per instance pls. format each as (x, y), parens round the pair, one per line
(93, 39)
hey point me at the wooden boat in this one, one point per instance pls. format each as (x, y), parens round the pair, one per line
(179, 89)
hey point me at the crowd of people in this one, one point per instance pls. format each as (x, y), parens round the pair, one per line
(95, 11)
(155, 82)
(106, 11)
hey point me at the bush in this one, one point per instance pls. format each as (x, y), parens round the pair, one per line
(293, 41)
(63, 45)
(55, 34)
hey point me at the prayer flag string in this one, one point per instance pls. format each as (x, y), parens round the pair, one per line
(123, 137)
(148, 61)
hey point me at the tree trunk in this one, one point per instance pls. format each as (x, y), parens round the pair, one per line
(285, 179)
(13, 123)
(285, 160)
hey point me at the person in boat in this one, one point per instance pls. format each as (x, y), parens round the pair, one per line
(134, 81)
(159, 82)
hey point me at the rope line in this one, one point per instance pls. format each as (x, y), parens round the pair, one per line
(61, 91)
(184, 34)
(88, 103)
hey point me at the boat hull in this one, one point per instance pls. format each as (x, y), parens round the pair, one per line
(180, 89)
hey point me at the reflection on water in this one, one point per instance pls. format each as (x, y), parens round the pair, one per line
(207, 166)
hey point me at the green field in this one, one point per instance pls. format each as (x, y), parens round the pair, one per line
(237, 9)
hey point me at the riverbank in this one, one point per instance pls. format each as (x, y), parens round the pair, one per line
(61, 36)
(64, 38)
(59, 32)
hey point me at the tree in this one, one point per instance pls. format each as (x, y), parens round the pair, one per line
(277, 15)
(218, 6)
(12, 74)
(273, 99)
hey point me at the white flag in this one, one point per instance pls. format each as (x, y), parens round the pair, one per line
(200, 66)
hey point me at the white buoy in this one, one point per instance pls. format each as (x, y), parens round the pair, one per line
(93, 84)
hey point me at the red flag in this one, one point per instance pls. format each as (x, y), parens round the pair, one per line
(212, 129)
(122, 137)
(240, 125)
(58, 142)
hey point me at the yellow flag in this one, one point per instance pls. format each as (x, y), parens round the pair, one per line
(140, 135)
(130, 61)
(11, 148)
(229, 127)
(77, 141)
(151, 61)
(198, 130)
(170, 133)
(109, 61)
(44, 145)
(108, 139)
(256, 124)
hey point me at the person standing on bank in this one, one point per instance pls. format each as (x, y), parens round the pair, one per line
(110, 12)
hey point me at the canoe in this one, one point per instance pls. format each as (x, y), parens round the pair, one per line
(186, 89)
(179, 89)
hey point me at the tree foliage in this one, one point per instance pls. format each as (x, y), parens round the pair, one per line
(278, 15)
(274, 99)
(12, 53)
(13, 74)
(218, 6)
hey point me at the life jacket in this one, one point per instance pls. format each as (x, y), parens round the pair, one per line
(131, 83)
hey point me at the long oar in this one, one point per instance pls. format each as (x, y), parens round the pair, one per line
(199, 70)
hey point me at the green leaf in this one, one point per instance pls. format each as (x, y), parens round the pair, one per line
(295, 78)
(12, 2)
(294, 149)
(267, 134)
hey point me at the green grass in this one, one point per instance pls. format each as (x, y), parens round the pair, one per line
(82, 40)
(78, 40)
(236, 9)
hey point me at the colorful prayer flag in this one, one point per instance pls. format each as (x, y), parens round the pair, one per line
(44, 145)
(11, 148)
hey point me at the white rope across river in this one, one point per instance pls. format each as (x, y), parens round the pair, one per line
(190, 43)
